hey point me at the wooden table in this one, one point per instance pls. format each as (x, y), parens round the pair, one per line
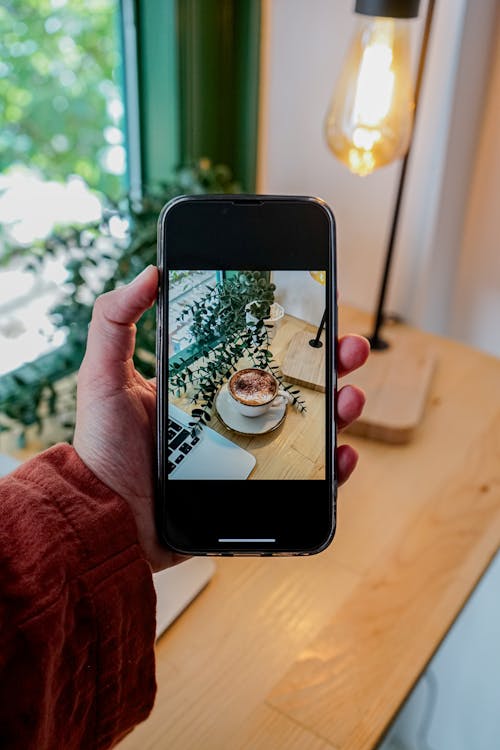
(319, 653)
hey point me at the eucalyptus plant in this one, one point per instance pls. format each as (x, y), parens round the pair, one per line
(219, 326)
(95, 261)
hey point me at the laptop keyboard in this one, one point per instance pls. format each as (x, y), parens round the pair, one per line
(181, 442)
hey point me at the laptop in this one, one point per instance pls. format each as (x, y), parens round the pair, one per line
(204, 455)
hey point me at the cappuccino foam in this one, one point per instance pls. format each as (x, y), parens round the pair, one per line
(253, 387)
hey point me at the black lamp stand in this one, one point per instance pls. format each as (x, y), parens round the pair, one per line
(376, 340)
(393, 9)
(398, 373)
(316, 342)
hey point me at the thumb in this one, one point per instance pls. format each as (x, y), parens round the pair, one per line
(111, 336)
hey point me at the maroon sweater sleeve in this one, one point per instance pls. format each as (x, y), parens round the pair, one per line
(77, 610)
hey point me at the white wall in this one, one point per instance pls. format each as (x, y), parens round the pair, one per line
(476, 300)
(300, 295)
(306, 41)
(443, 162)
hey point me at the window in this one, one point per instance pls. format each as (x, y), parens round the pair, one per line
(99, 98)
(185, 287)
(62, 110)
(62, 147)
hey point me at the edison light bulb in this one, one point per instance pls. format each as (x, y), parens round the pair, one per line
(371, 114)
(319, 276)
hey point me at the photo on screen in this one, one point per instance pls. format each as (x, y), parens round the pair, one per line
(239, 406)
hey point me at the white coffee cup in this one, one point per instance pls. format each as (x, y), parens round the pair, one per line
(254, 391)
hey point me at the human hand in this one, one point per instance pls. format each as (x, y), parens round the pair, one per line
(116, 408)
(352, 352)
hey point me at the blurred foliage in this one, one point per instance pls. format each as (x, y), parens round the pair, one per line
(96, 261)
(60, 101)
(61, 114)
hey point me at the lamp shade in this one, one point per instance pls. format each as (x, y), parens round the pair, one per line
(388, 8)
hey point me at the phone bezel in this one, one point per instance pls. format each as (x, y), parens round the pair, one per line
(162, 375)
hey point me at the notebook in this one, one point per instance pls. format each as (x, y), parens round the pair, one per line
(205, 455)
(177, 587)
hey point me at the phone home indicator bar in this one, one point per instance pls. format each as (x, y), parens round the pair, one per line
(246, 540)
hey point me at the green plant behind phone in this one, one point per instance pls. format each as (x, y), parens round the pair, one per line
(223, 335)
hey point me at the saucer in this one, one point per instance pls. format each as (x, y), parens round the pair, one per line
(233, 420)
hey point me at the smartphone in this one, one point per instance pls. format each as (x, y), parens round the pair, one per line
(246, 435)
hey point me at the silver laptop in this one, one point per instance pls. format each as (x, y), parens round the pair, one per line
(205, 455)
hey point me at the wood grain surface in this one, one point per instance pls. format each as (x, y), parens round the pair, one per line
(396, 381)
(295, 450)
(304, 364)
(319, 652)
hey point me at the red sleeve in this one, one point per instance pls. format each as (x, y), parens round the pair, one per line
(77, 610)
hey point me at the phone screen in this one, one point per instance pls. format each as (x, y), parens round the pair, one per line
(246, 375)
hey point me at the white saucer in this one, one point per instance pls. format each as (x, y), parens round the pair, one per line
(235, 421)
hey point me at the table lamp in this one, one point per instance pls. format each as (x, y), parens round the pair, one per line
(304, 361)
(369, 124)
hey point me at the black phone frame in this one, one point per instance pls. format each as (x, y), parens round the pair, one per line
(191, 254)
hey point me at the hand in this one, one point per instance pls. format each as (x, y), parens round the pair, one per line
(116, 407)
(353, 351)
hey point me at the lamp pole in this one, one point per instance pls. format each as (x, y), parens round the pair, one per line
(316, 341)
(376, 341)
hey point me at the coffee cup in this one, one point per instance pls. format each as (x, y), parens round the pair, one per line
(254, 391)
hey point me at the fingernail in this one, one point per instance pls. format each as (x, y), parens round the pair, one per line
(140, 276)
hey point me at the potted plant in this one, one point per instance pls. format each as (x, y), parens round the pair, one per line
(95, 260)
(257, 312)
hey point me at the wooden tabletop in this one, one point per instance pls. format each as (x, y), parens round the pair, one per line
(295, 448)
(315, 653)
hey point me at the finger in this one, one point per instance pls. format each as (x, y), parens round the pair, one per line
(111, 337)
(350, 403)
(347, 459)
(352, 352)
